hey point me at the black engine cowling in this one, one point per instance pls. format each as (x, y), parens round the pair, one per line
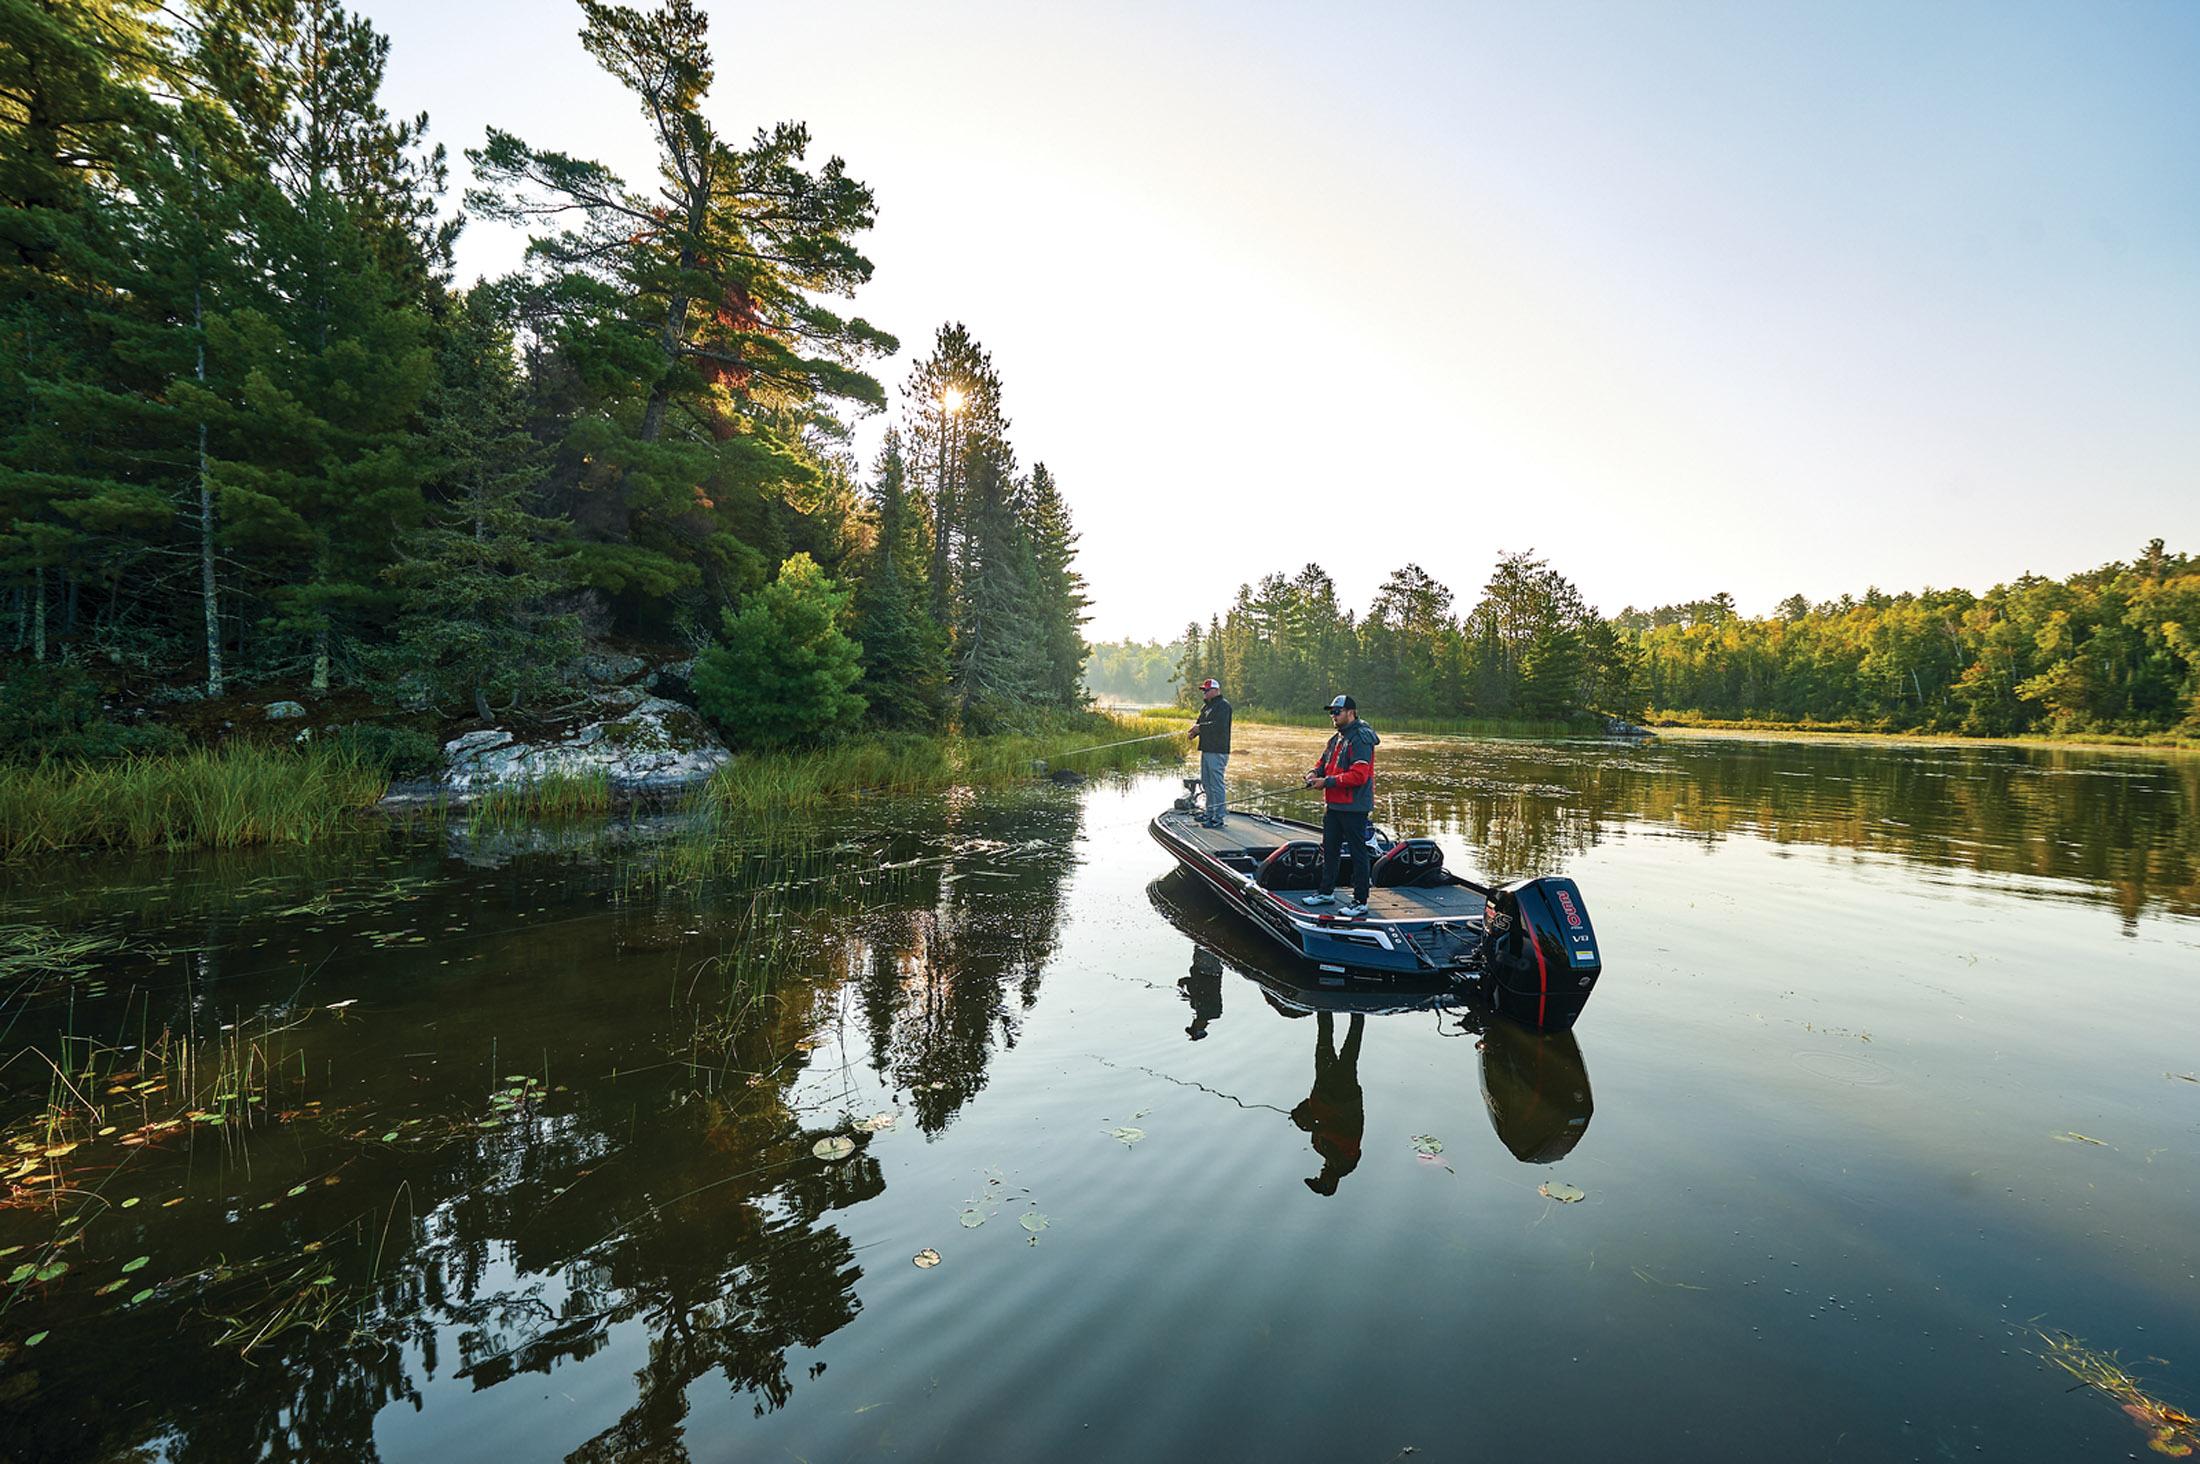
(1539, 953)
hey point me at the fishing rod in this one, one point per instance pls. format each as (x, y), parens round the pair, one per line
(1104, 746)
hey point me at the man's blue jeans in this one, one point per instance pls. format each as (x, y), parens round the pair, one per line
(1211, 766)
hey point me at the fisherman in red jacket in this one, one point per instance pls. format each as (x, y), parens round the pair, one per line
(1346, 776)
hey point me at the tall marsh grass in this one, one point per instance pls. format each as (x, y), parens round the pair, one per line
(760, 785)
(548, 799)
(222, 798)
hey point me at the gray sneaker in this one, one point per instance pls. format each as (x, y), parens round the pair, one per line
(1352, 909)
(1312, 900)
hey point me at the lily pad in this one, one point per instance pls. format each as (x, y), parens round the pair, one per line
(135, 1263)
(1032, 1221)
(926, 1259)
(833, 1146)
(141, 1296)
(34, 1339)
(973, 1218)
(1428, 1146)
(1127, 1136)
(879, 1123)
(52, 1271)
(1559, 1190)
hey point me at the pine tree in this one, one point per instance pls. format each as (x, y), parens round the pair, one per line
(687, 319)
(952, 406)
(320, 356)
(73, 113)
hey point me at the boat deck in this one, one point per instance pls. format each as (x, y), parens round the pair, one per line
(1245, 839)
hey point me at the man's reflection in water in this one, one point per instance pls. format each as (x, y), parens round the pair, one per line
(1203, 989)
(1334, 1114)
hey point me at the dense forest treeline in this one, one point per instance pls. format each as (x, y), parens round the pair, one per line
(253, 436)
(2114, 650)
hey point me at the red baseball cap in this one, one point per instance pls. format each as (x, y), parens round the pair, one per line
(1210, 684)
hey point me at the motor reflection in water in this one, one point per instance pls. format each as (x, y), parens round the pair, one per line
(1535, 1085)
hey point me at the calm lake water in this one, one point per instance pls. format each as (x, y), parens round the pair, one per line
(463, 1145)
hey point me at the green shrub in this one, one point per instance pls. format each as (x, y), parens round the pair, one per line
(400, 752)
(52, 710)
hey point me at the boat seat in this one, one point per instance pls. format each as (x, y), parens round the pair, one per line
(1295, 866)
(1410, 862)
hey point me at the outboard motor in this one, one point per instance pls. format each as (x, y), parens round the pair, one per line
(1539, 954)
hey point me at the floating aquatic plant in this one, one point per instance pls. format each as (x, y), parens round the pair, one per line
(2170, 1431)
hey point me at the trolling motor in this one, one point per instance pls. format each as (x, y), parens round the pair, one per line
(1189, 803)
(1539, 952)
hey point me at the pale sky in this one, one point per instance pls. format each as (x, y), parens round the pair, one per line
(1683, 297)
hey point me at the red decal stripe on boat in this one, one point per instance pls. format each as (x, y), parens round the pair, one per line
(1542, 970)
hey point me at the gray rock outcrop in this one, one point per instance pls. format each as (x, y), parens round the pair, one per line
(653, 746)
(609, 668)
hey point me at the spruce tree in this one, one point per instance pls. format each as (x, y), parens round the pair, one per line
(1059, 593)
(478, 580)
(904, 649)
(784, 672)
(1191, 668)
(997, 667)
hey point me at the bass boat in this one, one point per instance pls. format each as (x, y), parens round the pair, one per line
(1527, 944)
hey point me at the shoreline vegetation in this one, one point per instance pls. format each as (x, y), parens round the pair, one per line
(239, 795)
(1586, 724)
(1686, 723)
(2108, 655)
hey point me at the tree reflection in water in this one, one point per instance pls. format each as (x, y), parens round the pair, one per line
(671, 1209)
(2124, 829)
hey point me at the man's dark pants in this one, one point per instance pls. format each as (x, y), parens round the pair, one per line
(1344, 830)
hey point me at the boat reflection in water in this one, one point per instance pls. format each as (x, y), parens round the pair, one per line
(1535, 1085)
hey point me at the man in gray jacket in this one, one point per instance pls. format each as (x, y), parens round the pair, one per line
(1212, 733)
